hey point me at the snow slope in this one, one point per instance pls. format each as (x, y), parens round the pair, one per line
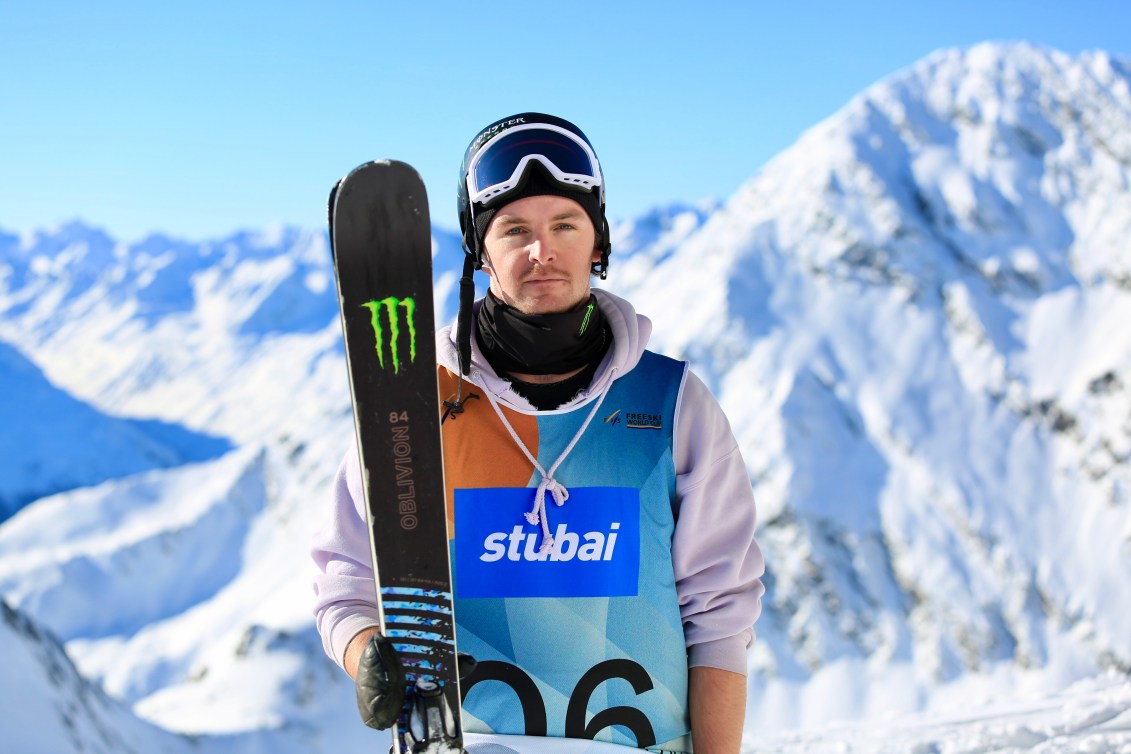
(49, 708)
(55, 442)
(915, 322)
(1092, 716)
(914, 318)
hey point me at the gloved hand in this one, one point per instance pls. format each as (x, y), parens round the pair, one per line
(380, 684)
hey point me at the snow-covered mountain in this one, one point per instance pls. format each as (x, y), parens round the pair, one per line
(54, 442)
(915, 318)
(56, 708)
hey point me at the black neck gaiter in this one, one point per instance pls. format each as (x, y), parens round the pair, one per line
(541, 343)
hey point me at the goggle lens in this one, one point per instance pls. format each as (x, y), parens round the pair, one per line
(497, 167)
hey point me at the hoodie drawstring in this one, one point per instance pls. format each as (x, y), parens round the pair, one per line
(548, 484)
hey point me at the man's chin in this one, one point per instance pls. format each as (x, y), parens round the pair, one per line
(547, 305)
(549, 301)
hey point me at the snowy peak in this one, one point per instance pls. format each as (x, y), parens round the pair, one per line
(164, 327)
(1002, 168)
(912, 319)
(278, 277)
(1004, 158)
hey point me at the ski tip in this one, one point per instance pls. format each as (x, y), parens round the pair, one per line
(394, 174)
(386, 172)
(371, 187)
(385, 167)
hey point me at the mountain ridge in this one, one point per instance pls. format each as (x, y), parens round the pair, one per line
(49, 454)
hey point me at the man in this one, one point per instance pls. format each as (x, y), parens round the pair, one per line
(623, 611)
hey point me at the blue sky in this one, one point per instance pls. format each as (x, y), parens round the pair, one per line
(200, 118)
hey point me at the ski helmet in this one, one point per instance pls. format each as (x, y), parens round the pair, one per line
(528, 155)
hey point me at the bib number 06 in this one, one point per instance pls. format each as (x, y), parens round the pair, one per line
(534, 708)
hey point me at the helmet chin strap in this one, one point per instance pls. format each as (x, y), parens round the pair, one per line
(463, 330)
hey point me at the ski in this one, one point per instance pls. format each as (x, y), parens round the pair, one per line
(382, 246)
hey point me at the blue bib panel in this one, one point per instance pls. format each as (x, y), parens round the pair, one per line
(583, 639)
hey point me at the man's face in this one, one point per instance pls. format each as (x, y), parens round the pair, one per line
(539, 252)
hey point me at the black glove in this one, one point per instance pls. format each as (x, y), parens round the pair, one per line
(380, 684)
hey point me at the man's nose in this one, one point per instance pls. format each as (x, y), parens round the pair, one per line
(541, 249)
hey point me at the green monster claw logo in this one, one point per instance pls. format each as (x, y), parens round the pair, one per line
(390, 304)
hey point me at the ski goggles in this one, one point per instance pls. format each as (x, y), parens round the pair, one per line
(498, 167)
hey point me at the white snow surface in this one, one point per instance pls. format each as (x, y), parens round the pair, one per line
(915, 318)
(45, 456)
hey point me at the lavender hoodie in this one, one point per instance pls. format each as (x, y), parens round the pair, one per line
(717, 562)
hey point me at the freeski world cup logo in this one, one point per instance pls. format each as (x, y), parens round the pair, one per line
(391, 306)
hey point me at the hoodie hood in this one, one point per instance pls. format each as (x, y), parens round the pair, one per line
(630, 337)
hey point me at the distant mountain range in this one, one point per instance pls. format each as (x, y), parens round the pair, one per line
(915, 318)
